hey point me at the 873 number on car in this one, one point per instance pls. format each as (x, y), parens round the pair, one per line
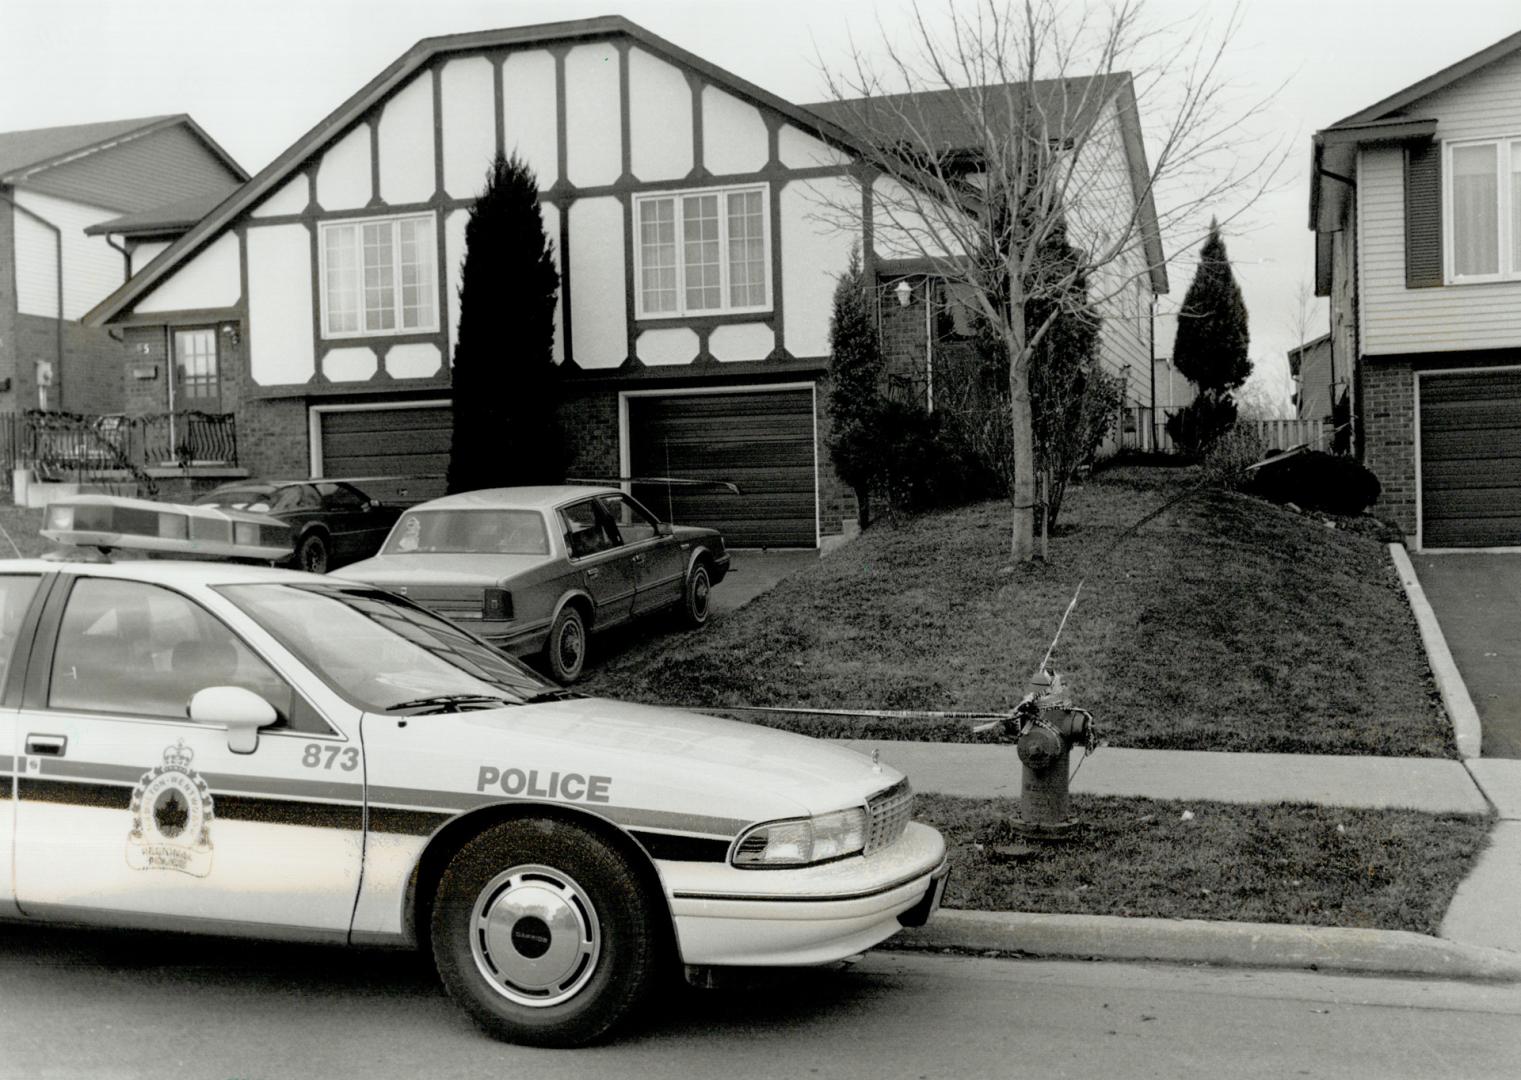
(317, 756)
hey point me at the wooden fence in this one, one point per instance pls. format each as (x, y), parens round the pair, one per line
(1136, 432)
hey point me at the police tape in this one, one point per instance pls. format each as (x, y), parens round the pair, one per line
(872, 714)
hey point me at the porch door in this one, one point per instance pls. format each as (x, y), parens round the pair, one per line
(197, 379)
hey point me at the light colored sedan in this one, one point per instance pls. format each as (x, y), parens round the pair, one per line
(536, 570)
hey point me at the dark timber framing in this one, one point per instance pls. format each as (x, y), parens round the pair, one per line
(427, 60)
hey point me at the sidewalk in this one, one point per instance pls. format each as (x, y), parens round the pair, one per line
(1480, 936)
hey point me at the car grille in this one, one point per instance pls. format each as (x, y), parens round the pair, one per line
(887, 815)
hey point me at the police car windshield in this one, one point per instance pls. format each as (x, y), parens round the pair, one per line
(379, 651)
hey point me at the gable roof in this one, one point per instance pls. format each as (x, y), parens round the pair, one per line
(25, 153)
(403, 68)
(1334, 148)
(171, 217)
(907, 119)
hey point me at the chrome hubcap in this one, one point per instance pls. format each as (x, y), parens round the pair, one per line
(535, 936)
(700, 595)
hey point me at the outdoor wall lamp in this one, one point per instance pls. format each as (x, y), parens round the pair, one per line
(230, 332)
(904, 292)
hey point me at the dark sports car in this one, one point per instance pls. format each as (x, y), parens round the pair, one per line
(332, 522)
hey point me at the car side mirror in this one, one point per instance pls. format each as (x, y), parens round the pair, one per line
(242, 712)
(665, 528)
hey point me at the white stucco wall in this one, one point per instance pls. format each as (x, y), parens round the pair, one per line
(742, 341)
(417, 360)
(91, 267)
(675, 345)
(660, 118)
(291, 197)
(210, 280)
(733, 134)
(454, 258)
(552, 230)
(594, 128)
(349, 364)
(145, 253)
(814, 253)
(406, 143)
(469, 115)
(528, 112)
(597, 302)
(343, 178)
(280, 305)
(799, 150)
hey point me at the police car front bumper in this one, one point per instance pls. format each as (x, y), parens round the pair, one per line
(813, 915)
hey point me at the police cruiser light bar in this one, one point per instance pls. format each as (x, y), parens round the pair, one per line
(111, 522)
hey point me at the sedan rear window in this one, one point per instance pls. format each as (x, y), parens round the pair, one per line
(488, 532)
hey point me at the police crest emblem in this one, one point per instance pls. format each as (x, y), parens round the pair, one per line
(171, 817)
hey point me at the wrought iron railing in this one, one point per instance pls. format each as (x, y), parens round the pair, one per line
(74, 447)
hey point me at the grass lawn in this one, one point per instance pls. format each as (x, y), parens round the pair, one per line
(1226, 624)
(1304, 865)
(21, 525)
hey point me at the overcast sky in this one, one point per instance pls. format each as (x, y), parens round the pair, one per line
(256, 74)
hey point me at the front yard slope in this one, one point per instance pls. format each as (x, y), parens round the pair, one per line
(1225, 624)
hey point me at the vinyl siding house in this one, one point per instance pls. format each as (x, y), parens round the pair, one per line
(1317, 387)
(1415, 202)
(697, 273)
(57, 185)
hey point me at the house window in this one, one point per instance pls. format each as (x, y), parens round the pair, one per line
(378, 277)
(703, 252)
(1484, 210)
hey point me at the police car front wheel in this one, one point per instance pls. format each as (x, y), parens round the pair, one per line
(543, 933)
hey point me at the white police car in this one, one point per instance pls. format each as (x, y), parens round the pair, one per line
(243, 750)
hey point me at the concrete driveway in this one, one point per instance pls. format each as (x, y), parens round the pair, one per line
(753, 572)
(1477, 600)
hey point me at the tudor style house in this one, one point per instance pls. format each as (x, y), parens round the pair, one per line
(697, 273)
(57, 187)
(1416, 206)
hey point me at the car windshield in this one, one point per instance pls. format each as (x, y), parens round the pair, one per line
(379, 651)
(255, 499)
(489, 532)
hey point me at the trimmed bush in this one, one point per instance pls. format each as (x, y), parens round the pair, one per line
(1225, 462)
(1315, 480)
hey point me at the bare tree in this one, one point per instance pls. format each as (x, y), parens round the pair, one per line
(989, 128)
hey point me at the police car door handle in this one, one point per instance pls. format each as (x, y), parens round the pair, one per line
(49, 745)
(593, 572)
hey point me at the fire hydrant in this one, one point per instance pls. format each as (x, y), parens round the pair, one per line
(1046, 726)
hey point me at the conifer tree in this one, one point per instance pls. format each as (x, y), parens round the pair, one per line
(505, 379)
(1211, 347)
(855, 398)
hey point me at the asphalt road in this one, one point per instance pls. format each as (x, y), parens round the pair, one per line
(89, 1004)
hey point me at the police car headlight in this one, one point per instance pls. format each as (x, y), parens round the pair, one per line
(802, 841)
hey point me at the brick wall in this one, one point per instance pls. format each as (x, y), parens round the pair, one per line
(273, 437)
(589, 422)
(1386, 399)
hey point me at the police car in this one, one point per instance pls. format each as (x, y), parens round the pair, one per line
(237, 749)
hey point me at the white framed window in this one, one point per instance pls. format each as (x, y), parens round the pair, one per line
(705, 252)
(379, 276)
(1482, 210)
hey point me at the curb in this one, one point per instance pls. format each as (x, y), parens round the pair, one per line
(1231, 944)
(1465, 718)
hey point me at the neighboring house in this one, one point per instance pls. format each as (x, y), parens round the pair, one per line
(56, 185)
(925, 317)
(1316, 387)
(1414, 203)
(697, 272)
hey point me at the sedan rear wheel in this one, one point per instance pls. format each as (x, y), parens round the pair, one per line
(544, 934)
(566, 648)
(694, 608)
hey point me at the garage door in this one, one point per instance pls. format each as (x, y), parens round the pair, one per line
(410, 444)
(1471, 459)
(761, 441)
